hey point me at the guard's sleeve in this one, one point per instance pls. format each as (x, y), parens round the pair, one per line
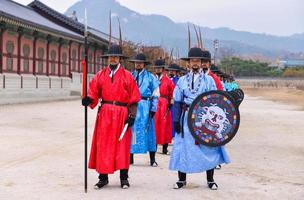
(154, 86)
(171, 91)
(212, 85)
(133, 91)
(94, 91)
(178, 98)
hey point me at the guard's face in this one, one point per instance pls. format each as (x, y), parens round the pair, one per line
(139, 65)
(205, 64)
(195, 64)
(172, 73)
(159, 70)
(113, 60)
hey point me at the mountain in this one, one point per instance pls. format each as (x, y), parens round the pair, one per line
(161, 30)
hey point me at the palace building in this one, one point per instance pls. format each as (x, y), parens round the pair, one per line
(41, 51)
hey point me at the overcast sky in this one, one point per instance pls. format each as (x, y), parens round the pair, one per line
(260, 16)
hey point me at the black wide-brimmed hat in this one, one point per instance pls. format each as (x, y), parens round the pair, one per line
(173, 67)
(214, 69)
(140, 58)
(159, 63)
(206, 55)
(194, 53)
(114, 50)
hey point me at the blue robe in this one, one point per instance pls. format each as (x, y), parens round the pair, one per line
(144, 140)
(175, 80)
(187, 156)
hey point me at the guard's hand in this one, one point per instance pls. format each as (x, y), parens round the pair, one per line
(177, 127)
(86, 101)
(130, 121)
(151, 114)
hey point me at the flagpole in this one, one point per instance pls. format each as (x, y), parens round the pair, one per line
(85, 86)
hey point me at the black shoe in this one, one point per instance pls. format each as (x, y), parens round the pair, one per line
(101, 184)
(153, 164)
(179, 184)
(166, 153)
(131, 159)
(124, 184)
(218, 167)
(212, 185)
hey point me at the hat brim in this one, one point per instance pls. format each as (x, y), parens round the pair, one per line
(162, 66)
(114, 55)
(172, 69)
(140, 61)
(189, 58)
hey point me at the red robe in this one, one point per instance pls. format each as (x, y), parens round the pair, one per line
(163, 120)
(107, 153)
(217, 81)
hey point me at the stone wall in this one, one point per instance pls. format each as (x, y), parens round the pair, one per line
(295, 83)
(28, 85)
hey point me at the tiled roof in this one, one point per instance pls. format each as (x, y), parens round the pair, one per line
(27, 15)
(61, 18)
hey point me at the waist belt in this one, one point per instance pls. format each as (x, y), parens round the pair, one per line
(116, 103)
(163, 96)
(146, 98)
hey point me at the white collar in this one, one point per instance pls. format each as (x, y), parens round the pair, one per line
(140, 72)
(113, 73)
(161, 76)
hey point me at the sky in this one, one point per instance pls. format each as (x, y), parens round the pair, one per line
(282, 18)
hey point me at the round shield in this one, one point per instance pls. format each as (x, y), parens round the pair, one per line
(237, 95)
(213, 118)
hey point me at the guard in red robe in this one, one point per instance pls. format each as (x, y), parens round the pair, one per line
(119, 95)
(163, 120)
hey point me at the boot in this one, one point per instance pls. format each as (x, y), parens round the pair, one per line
(131, 159)
(103, 181)
(153, 163)
(210, 181)
(124, 183)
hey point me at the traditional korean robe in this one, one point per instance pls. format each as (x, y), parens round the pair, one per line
(217, 80)
(143, 135)
(175, 80)
(107, 153)
(163, 120)
(187, 156)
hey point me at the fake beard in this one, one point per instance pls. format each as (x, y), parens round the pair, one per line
(158, 74)
(139, 70)
(195, 69)
(205, 70)
(113, 67)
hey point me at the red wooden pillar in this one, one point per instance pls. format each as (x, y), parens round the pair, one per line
(70, 53)
(20, 31)
(59, 57)
(34, 52)
(48, 55)
(79, 61)
(1, 49)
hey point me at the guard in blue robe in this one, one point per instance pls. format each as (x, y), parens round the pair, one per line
(187, 156)
(143, 133)
(173, 70)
